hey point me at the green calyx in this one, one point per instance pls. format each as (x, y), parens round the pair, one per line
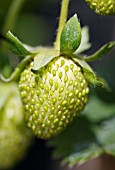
(53, 96)
(71, 36)
(15, 137)
(103, 7)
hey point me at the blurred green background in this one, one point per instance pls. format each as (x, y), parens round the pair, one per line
(36, 25)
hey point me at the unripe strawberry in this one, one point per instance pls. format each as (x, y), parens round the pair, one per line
(15, 137)
(104, 7)
(53, 96)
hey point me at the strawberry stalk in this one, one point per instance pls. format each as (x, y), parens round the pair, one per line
(62, 21)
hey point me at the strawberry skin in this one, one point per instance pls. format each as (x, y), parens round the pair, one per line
(53, 96)
(104, 7)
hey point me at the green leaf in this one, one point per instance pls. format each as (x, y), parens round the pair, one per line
(85, 45)
(43, 57)
(71, 36)
(103, 51)
(89, 73)
(105, 134)
(77, 143)
(89, 136)
(97, 110)
(16, 46)
(92, 151)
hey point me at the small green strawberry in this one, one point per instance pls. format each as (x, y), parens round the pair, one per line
(15, 137)
(103, 7)
(54, 82)
(54, 96)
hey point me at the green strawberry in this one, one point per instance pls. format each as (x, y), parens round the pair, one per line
(15, 137)
(103, 7)
(53, 96)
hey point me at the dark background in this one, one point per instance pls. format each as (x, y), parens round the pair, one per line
(36, 25)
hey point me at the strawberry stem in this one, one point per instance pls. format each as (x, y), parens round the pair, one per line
(62, 20)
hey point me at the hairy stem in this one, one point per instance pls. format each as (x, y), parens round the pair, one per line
(12, 15)
(62, 20)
